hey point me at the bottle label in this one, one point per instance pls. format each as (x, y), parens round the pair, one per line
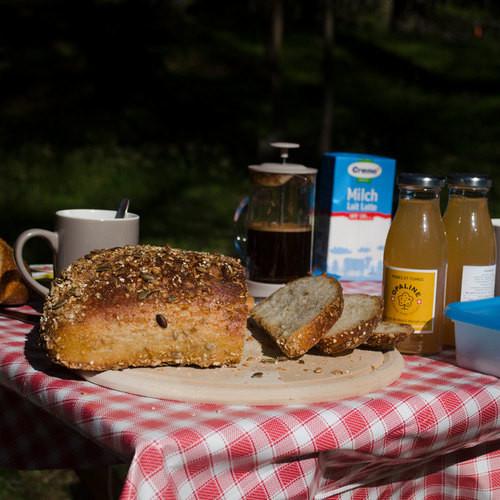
(478, 282)
(410, 297)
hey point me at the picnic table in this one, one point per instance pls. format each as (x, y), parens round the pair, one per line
(434, 433)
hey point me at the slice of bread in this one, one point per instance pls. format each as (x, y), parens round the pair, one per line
(299, 314)
(387, 335)
(360, 316)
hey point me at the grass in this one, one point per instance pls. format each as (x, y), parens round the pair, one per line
(43, 485)
(179, 202)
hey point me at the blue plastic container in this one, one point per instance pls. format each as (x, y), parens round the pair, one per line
(477, 334)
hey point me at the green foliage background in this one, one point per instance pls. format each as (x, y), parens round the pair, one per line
(167, 103)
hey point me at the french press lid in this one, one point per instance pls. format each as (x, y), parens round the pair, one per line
(283, 168)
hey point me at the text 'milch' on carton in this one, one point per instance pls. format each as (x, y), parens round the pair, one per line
(353, 215)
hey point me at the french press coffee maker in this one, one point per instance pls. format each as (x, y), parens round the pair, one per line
(279, 223)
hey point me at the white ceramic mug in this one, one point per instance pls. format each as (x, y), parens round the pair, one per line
(78, 232)
(496, 227)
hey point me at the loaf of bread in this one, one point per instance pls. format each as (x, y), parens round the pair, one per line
(146, 306)
(12, 290)
(299, 314)
(387, 335)
(360, 316)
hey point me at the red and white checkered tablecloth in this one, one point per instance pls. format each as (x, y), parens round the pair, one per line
(435, 433)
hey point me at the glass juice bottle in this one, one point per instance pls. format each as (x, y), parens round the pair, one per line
(471, 243)
(415, 263)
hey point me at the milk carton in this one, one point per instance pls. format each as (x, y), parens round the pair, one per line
(353, 215)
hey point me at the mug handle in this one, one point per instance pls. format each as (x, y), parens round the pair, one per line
(240, 239)
(51, 237)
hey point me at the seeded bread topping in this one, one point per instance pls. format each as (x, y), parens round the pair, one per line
(163, 305)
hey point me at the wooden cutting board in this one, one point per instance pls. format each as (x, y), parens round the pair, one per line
(264, 377)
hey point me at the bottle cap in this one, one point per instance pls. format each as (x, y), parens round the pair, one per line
(420, 180)
(470, 180)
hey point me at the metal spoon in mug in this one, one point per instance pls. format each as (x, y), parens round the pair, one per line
(122, 209)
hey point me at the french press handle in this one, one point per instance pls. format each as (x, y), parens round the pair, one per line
(240, 238)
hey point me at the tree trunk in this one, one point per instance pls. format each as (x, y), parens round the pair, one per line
(387, 14)
(275, 49)
(398, 11)
(328, 73)
(276, 29)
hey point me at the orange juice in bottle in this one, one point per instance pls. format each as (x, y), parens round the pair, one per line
(471, 243)
(415, 258)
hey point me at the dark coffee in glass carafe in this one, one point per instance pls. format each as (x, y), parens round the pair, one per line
(278, 253)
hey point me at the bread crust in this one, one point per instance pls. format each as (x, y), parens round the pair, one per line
(308, 336)
(12, 289)
(302, 340)
(353, 337)
(146, 306)
(386, 341)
